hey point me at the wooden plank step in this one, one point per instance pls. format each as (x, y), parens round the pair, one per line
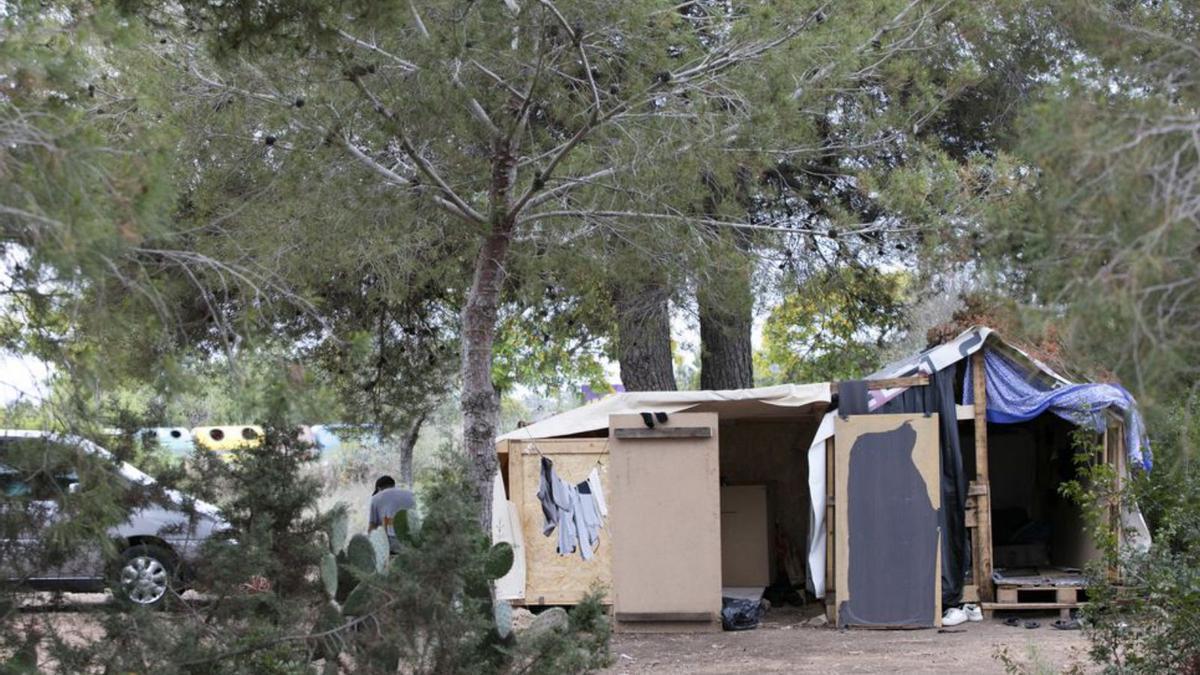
(992, 606)
(1016, 595)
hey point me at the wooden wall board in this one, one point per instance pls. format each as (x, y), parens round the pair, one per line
(552, 579)
(666, 519)
(925, 457)
(746, 551)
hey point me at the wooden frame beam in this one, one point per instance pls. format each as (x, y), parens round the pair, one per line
(830, 591)
(663, 432)
(981, 486)
(890, 383)
(665, 617)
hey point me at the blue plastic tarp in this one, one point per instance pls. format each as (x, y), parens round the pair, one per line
(1013, 396)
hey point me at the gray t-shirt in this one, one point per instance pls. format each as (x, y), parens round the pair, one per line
(385, 504)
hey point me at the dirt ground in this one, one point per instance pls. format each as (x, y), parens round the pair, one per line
(784, 644)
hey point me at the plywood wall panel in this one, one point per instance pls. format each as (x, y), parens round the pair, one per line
(552, 579)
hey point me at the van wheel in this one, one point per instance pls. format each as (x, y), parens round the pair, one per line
(145, 576)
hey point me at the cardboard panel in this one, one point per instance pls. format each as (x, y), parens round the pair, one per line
(887, 486)
(552, 579)
(666, 524)
(745, 544)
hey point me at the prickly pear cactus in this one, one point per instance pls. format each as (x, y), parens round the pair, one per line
(329, 618)
(361, 554)
(499, 560)
(413, 523)
(339, 527)
(382, 547)
(346, 579)
(358, 602)
(401, 526)
(329, 574)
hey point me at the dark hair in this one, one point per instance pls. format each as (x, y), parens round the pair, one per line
(384, 482)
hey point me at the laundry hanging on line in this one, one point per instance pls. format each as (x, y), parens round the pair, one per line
(576, 511)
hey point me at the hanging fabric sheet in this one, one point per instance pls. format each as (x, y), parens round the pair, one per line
(576, 511)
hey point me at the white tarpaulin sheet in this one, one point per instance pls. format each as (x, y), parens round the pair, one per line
(594, 417)
(506, 526)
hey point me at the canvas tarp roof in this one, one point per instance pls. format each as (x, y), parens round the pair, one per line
(594, 417)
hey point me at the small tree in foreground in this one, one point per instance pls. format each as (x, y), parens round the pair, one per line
(276, 600)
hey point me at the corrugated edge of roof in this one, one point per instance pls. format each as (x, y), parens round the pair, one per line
(968, 342)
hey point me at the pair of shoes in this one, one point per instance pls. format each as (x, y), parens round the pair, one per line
(953, 617)
(956, 615)
(973, 612)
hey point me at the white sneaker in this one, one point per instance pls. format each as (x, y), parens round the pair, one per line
(973, 612)
(953, 617)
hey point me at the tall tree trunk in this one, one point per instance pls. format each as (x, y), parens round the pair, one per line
(726, 322)
(725, 299)
(407, 442)
(644, 337)
(480, 401)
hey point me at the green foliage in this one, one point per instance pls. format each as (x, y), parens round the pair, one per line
(834, 326)
(1101, 225)
(1146, 619)
(431, 607)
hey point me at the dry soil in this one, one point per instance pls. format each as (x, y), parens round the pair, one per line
(784, 644)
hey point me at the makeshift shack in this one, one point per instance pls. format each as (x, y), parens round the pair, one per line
(707, 495)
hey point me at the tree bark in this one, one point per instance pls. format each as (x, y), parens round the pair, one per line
(407, 442)
(725, 347)
(726, 301)
(644, 337)
(480, 401)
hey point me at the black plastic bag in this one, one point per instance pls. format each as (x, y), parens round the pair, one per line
(741, 613)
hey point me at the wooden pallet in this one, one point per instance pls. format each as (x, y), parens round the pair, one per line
(1066, 598)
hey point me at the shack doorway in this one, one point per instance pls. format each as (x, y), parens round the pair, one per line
(1036, 529)
(765, 507)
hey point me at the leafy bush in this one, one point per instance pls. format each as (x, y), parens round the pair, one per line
(1143, 614)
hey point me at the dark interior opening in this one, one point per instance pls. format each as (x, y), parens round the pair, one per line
(765, 500)
(1033, 524)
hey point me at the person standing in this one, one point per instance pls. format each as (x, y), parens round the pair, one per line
(387, 501)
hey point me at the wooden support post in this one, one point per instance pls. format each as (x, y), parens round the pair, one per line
(983, 501)
(1065, 596)
(830, 548)
(1114, 437)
